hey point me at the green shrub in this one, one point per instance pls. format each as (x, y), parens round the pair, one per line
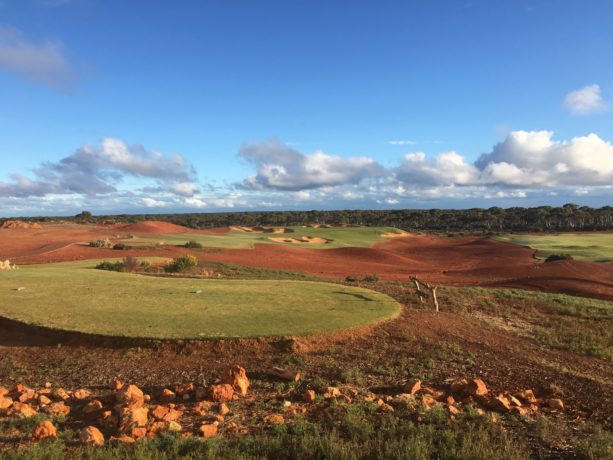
(119, 246)
(182, 264)
(554, 257)
(374, 278)
(106, 243)
(192, 245)
(111, 266)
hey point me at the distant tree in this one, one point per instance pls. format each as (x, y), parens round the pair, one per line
(84, 215)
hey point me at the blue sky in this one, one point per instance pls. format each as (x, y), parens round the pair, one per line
(159, 106)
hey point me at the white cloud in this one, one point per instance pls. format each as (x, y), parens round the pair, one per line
(585, 101)
(401, 142)
(42, 62)
(279, 167)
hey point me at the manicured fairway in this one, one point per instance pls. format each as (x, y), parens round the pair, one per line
(69, 296)
(595, 247)
(338, 237)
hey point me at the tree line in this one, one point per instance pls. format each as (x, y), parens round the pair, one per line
(567, 218)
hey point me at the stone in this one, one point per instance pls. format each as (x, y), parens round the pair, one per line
(123, 439)
(555, 404)
(520, 410)
(57, 409)
(167, 396)
(91, 435)
(3, 391)
(5, 402)
(332, 392)
(133, 418)
(528, 397)
(185, 389)
(116, 385)
(274, 419)
(43, 400)
(223, 409)
(131, 396)
(208, 430)
(385, 407)
(453, 410)
(412, 386)
(458, 386)
(309, 396)
(500, 403)
(81, 394)
(174, 426)
(44, 430)
(139, 432)
(172, 415)
(22, 410)
(237, 377)
(158, 412)
(60, 393)
(108, 420)
(221, 393)
(26, 396)
(428, 400)
(514, 401)
(450, 400)
(93, 407)
(475, 387)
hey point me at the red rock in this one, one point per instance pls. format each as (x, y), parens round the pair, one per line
(43, 400)
(139, 432)
(308, 396)
(428, 400)
(221, 393)
(108, 420)
(500, 403)
(5, 402)
(172, 415)
(123, 439)
(274, 419)
(131, 396)
(81, 394)
(208, 430)
(458, 386)
(514, 401)
(116, 385)
(520, 410)
(167, 396)
(412, 386)
(44, 430)
(133, 418)
(237, 377)
(158, 412)
(60, 393)
(453, 410)
(528, 397)
(26, 396)
(3, 392)
(57, 409)
(450, 400)
(475, 387)
(182, 390)
(223, 409)
(332, 392)
(92, 436)
(92, 407)
(555, 403)
(22, 410)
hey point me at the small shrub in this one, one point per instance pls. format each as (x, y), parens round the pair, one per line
(145, 265)
(106, 243)
(554, 257)
(352, 279)
(193, 245)
(374, 278)
(130, 264)
(182, 264)
(111, 266)
(119, 246)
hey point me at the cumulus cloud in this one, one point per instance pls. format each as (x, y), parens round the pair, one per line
(42, 62)
(95, 170)
(585, 101)
(279, 167)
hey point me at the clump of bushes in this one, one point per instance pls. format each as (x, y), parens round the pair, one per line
(106, 243)
(129, 264)
(181, 264)
(111, 266)
(554, 257)
(193, 245)
(119, 246)
(367, 278)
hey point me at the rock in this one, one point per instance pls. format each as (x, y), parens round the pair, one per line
(133, 418)
(60, 393)
(123, 439)
(48, 385)
(412, 386)
(108, 420)
(475, 387)
(116, 385)
(44, 430)
(450, 400)
(43, 400)
(3, 392)
(428, 400)
(27, 396)
(404, 398)
(514, 401)
(208, 430)
(92, 407)
(458, 386)
(221, 393)
(500, 403)
(385, 407)
(309, 396)
(332, 392)
(131, 396)
(5, 402)
(81, 394)
(185, 389)
(174, 426)
(436, 394)
(237, 377)
(523, 411)
(57, 409)
(453, 410)
(167, 396)
(139, 432)
(555, 404)
(158, 412)
(528, 397)
(274, 419)
(92, 436)
(22, 410)
(172, 415)
(284, 374)
(223, 409)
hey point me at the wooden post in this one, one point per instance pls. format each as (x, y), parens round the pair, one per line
(432, 289)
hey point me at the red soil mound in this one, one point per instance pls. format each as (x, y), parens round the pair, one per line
(154, 227)
(12, 224)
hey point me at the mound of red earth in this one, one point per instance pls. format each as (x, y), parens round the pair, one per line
(154, 227)
(19, 224)
(130, 414)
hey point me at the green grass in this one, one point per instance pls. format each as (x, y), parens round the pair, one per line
(595, 247)
(339, 237)
(70, 296)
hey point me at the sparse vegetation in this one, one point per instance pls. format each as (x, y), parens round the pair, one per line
(106, 243)
(182, 264)
(193, 245)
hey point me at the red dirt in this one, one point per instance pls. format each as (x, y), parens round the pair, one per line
(453, 261)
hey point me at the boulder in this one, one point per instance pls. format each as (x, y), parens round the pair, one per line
(308, 396)
(458, 386)
(274, 419)
(91, 435)
(167, 396)
(500, 403)
(185, 389)
(44, 400)
(528, 397)
(81, 394)
(208, 430)
(44, 430)
(172, 415)
(5, 402)
(158, 412)
(223, 409)
(221, 393)
(22, 410)
(133, 418)
(123, 439)
(93, 407)
(57, 409)
(412, 386)
(332, 392)
(3, 391)
(237, 377)
(475, 387)
(428, 400)
(131, 396)
(60, 394)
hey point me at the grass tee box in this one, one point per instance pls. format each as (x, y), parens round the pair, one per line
(594, 247)
(337, 237)
(68, 296)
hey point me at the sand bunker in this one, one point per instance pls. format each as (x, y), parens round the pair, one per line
(18, 224)
(262, 230)
(301, 240)
(395, 235)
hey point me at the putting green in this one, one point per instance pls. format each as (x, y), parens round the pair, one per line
(70, 296)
